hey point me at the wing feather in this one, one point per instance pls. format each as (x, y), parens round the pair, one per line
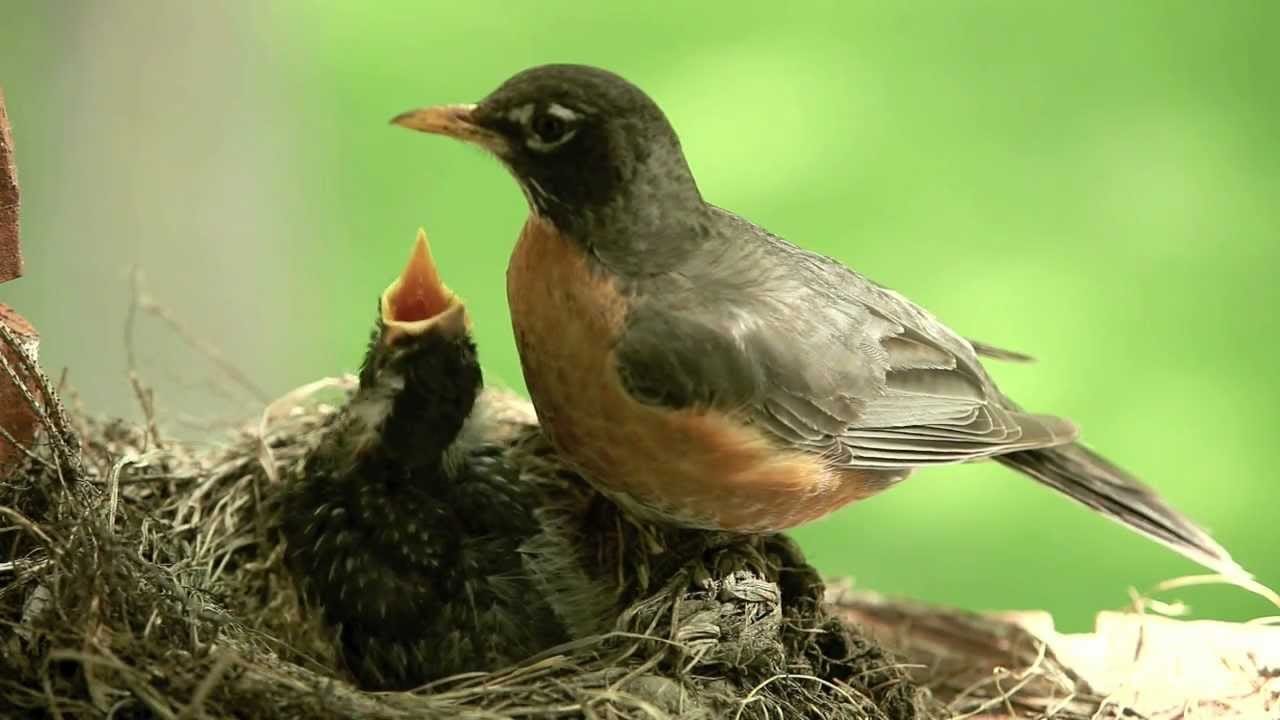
(820, 358)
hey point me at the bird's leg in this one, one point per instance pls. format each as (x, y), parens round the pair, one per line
(699, 576)
(801, 584)
(745, 555)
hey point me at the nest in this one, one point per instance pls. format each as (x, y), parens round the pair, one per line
(143, 578)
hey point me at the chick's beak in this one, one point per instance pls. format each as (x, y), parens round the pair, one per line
(419, 301)
(455, 121)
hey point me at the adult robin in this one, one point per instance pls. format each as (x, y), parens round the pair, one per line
(406, 521)
(705, 372)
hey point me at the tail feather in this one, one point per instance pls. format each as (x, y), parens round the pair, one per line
(1088, 478)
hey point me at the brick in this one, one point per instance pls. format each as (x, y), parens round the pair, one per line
(10, 249)
(16, 414)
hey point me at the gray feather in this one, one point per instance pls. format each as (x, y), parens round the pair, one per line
(1088, 478)
(817, 356)
(995, 353)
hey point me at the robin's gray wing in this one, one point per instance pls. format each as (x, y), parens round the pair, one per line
(860, 388)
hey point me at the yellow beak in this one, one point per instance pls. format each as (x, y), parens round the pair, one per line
(454, 121)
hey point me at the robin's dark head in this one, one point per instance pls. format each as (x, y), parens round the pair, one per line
(590, 150)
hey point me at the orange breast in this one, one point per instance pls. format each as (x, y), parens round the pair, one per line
(695, 468)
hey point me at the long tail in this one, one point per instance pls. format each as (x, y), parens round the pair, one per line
(1086, 477)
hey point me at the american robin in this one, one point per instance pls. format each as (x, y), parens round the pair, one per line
(406, 521)
(703, 371)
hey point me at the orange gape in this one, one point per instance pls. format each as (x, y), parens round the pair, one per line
(692, 467)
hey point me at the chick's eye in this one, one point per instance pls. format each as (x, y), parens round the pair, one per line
(548, 128)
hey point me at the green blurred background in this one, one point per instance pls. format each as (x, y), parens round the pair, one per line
(1094, 183)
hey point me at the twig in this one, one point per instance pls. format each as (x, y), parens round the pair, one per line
(1023, 676)
(24, 449)
(46, 684)
(31, 527)
(226, 660)
(27, 565)
(284, 404)
(113, 490)
(849, 693)
(144, 395)
(145, 303)
(50, 413)
(1250, 584)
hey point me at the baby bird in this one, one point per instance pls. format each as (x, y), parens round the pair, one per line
(406, 524)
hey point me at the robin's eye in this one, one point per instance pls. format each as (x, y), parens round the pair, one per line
(549, 128)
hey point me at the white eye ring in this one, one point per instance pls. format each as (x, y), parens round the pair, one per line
(562, 112)
(560, 116)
